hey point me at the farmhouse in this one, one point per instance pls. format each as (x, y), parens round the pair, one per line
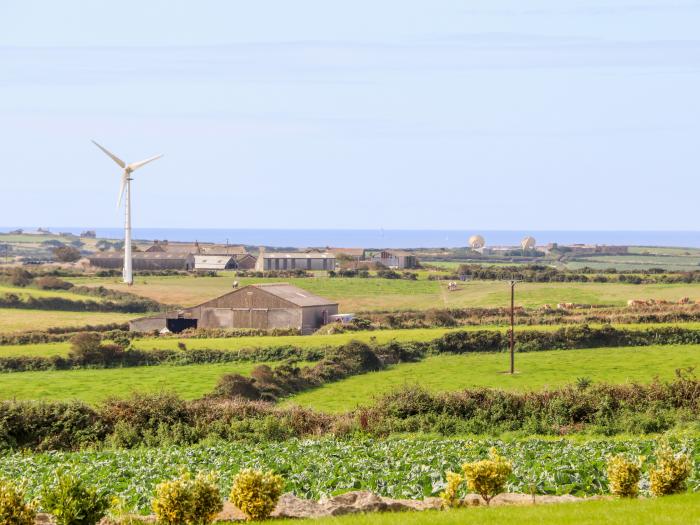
(144, 260)
(269, 261)
(262, 306)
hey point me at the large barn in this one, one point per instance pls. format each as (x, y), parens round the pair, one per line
(272, 261)
(262, 306)
(144, 260)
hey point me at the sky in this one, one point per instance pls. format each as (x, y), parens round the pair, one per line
(399, 114)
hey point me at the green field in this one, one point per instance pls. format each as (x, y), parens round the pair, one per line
(35, 292)
(534, 370)
(439, 373)
(302, 341)
(355, 294)
(20, 320)
(93, 385)
(671, 510)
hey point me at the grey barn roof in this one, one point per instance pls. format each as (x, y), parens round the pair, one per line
(294, 294)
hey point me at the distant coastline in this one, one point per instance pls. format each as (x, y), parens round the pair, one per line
(299, 238)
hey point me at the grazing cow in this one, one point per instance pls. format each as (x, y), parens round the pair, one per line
(684, 300)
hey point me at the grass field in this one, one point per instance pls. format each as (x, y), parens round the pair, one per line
(93, 385)
(439, 373)
(356, 294)
(671, 510)
(534, 370)
(35, 292)
(301, 341)
(20, 320)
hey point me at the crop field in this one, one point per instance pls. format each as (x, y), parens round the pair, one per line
(355, 294)
(534, 370)
(399, 467)
(94, 385)
(20, 320)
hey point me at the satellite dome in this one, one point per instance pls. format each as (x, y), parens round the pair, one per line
(528, 243)
(476, 241)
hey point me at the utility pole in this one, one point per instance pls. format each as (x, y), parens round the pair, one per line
(512, 283)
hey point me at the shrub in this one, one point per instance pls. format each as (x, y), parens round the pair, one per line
(670, 472)
(13, 509)
(256, 493)
(450, 496)
(84, 344)
(20, 277)
(66, 254)
(487, 477)
(52, 283)
(623, 476)
(188, 500)
(71, 502)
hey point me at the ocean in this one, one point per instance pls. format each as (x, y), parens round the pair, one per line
(394, 238)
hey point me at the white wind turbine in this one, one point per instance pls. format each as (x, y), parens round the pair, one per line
(126, 187)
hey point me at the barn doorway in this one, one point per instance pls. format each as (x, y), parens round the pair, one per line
(178, 325)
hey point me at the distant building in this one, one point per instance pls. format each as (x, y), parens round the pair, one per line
(144, 260)
(196, 248)
(275, 261)
(262, 306)
(587, 249)
(224, 262)
(392, 259)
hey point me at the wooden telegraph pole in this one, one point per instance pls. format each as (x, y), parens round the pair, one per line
(512, 283)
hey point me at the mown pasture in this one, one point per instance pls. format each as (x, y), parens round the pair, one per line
(302, 341)
(534, 370)
(440, 373)
(665, 511)
(94, 385)
(21, 320)
(356, 294)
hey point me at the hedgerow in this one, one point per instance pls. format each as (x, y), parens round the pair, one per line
(159, 419)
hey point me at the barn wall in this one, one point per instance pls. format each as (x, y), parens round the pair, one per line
(147, 324)
(260, 318)
(313, 317)
(249, 297)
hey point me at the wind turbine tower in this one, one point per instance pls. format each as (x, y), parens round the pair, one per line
(126, 188)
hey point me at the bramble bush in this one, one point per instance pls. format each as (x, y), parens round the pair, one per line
(187, 500)
(256, 493)
(71, 502)
(488, 477)
(14, 510)
(623, 476)
(671, 472)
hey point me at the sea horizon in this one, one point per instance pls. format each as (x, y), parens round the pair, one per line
(389, 238)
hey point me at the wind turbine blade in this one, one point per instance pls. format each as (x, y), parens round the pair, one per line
(111, 155)
(136, 165)
(122, 190)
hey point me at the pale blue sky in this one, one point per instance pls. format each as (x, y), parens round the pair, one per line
(487, 114)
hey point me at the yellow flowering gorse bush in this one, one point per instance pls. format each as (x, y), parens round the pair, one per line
(623, 476)
(670, 472)
(450, 496)
(256, 493)
(13, 509)
(187, 500)
(487, 477)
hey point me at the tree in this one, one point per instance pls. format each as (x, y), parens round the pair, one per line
(89, 234)
(66, 254)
